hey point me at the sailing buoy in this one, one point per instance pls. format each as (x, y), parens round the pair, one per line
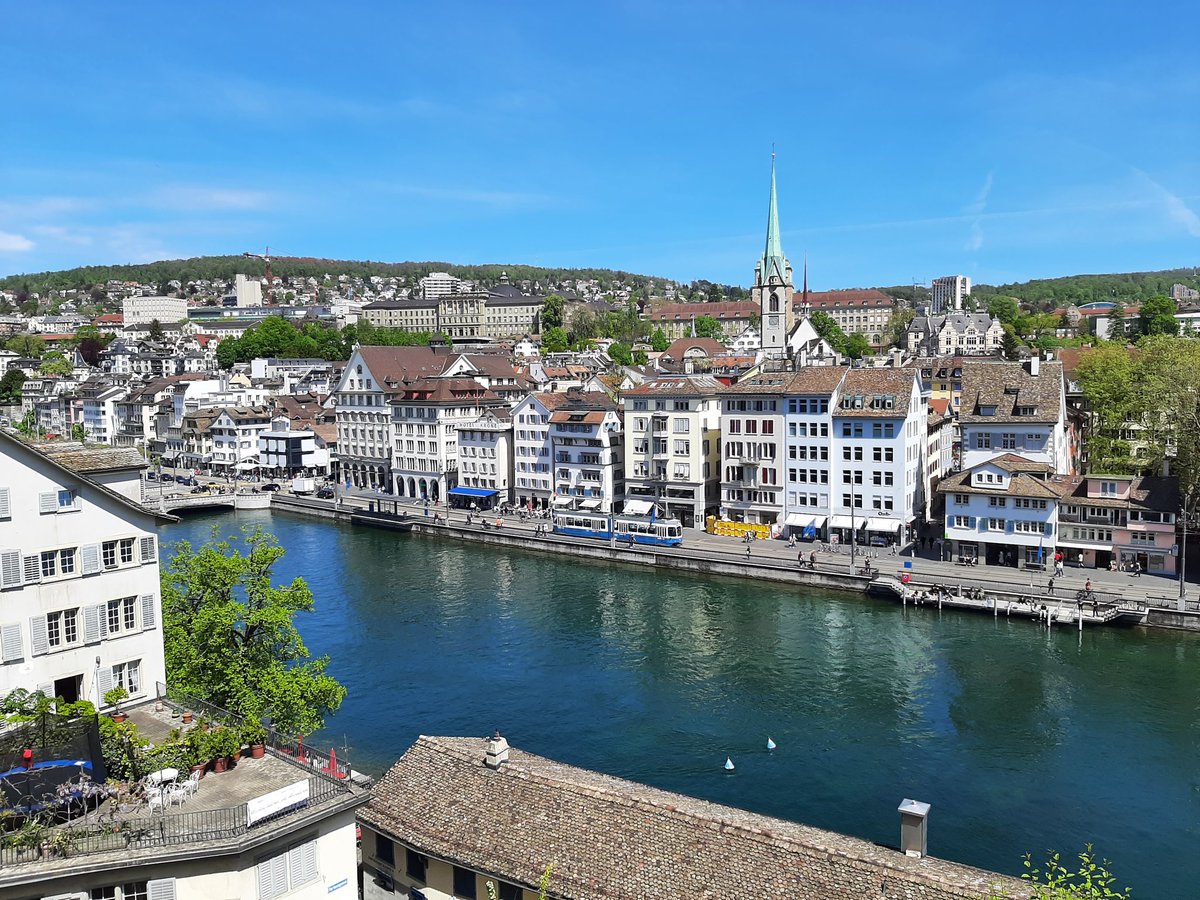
(728, 764)
(770, 744)
(905, 578)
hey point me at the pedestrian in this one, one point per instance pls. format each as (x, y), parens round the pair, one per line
(1058, 565)
(1137, 569)
(747, 551)
(812, 560)
(1050, 587)
(1087, 587)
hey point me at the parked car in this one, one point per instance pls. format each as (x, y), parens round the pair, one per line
(200, 489)
(326, 493)
(181, 479)
(269, 486)
(150, 476)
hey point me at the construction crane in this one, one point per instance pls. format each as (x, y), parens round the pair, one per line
(266, 258)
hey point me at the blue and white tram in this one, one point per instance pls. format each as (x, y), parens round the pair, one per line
(626, 527)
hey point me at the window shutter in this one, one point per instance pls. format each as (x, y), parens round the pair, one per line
(10, 643)
(148, 553)
(37, 634)
(48, 501)
(5, 504)
(104, 680)
(33, 569)
(89, 555)
(272, 877)
(161, 889)
(92, 617)
(302, 864)
(10, 568)
(149, 613)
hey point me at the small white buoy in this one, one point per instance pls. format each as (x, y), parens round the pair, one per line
(770, 743)
(728, 764)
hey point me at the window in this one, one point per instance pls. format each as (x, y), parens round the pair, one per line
(509, 892)
(134, 890)
(128, 675)
(62, 628)
(983, 440)
(288, 871)
(415, 863)
(464, 883)
(385, 850)
(108, 553)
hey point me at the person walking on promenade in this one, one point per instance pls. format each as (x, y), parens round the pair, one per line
(747, 551)
(1058, 566)
(812, 560)
(1050, 588)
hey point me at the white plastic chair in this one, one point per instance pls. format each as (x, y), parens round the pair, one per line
(177, 794)
(155, 799)
(192, 784)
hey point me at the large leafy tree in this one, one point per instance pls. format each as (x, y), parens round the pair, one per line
(29, 345)
(10, 386)
(231, 639)
(552, 312)
(709, 327)
(659, 341)
(897, 327)
(555, 340)
(1157, 316)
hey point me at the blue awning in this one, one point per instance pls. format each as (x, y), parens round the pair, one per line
(472, 492)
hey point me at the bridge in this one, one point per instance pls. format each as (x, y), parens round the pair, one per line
(188, 502)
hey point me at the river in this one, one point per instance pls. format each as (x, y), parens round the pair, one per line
(1021, 739)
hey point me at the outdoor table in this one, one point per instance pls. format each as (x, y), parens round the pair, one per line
(162, 777)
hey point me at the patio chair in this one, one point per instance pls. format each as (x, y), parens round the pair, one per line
(155, 799)
(192, 784)
(176, 794)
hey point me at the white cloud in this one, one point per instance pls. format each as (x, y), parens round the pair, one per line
(14, 243)
(1178, 212)
(199, 198)
(977, 209)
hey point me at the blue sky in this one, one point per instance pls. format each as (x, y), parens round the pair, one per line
(1002, 141)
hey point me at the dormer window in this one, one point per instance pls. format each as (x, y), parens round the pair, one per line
(1026, 410)
(989, 410)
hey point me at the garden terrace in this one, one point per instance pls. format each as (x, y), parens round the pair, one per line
(250, 804)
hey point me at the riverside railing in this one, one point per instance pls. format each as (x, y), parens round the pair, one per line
(134, 829)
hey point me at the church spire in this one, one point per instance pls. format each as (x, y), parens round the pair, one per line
(773, 260)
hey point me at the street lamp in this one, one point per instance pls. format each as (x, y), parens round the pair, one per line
(1183, 512)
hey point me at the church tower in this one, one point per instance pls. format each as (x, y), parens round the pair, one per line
(773, 287)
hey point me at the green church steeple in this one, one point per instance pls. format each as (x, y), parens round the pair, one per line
(774, 264)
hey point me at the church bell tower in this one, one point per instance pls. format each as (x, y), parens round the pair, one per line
(773, 288)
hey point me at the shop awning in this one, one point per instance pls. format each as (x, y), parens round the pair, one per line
(589, 504)
(638, 507)
(472, 492)
(887, 526)
(247, 466)
(845, 522)
(800, 520)
(563, 501)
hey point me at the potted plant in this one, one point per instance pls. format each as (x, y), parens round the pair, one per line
(222, 744)
(187, 717)
(113, 698)
(197, 752)
(254, 736)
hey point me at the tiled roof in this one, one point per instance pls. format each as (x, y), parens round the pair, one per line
(707, 347)
(811, 380)
(88, 459)
(678, 386)
(1021, 484)
(871, 383)
(393, 366)
(726, 309)
(1152, 492)
(446, 390)
(852, 299)
(611, 839)
(984, 383)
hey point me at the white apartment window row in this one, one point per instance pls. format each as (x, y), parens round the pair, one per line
(17, 570)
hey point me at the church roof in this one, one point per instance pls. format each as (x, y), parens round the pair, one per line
(774, 263)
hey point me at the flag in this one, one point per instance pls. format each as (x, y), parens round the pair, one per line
(1040, 541)
(653, 514)
(810, 530)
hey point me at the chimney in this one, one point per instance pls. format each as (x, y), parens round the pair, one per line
(497, 752)
(897, 357)
(1035, 365)
(913, 816)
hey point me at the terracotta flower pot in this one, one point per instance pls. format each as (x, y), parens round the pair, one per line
(220, 764)
(187, 717)
(199, 767)
(257, 751)
(119, 717)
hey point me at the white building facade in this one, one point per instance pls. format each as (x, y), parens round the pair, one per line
(1012, 407)
(589, 461)
(145, 310)
(79, 574)
(1002, 511)
(533, 471)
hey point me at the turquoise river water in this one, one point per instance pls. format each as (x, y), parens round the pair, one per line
(1022, 740)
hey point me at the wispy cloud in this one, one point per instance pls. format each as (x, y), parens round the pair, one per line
(199, 198)
(976, 210)
(1177, 211)
(14, 243)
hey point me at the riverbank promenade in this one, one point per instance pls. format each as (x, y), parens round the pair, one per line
(923, 568)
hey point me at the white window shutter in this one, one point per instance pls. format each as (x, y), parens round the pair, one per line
(10, 569)
(273, 877)
(89, 555)
(5, 504)
(48, 501)
(92, 617)
(149, 613)
(149, 553)
(37, 634)
(10, 642)
(33, 569)
(308, 863)
(161, 889)
(104, 680)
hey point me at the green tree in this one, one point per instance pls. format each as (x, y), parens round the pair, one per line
(897, 327)
(1092, 880)
(78, 432)
(1157, 316)
(29, 345)
(585, 325)
(552, 312)
(10, 386)
(620, 354)
(230, 636)
(29, 426)
(1116, 322)
(659, 341)
(828, 330)
(555, 340)
(857, 346)
(1006, 309)
(56, 364)
(155, 330)
(1010, 345)
(709, 327)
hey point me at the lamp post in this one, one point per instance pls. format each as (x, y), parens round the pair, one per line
(1183, 512)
